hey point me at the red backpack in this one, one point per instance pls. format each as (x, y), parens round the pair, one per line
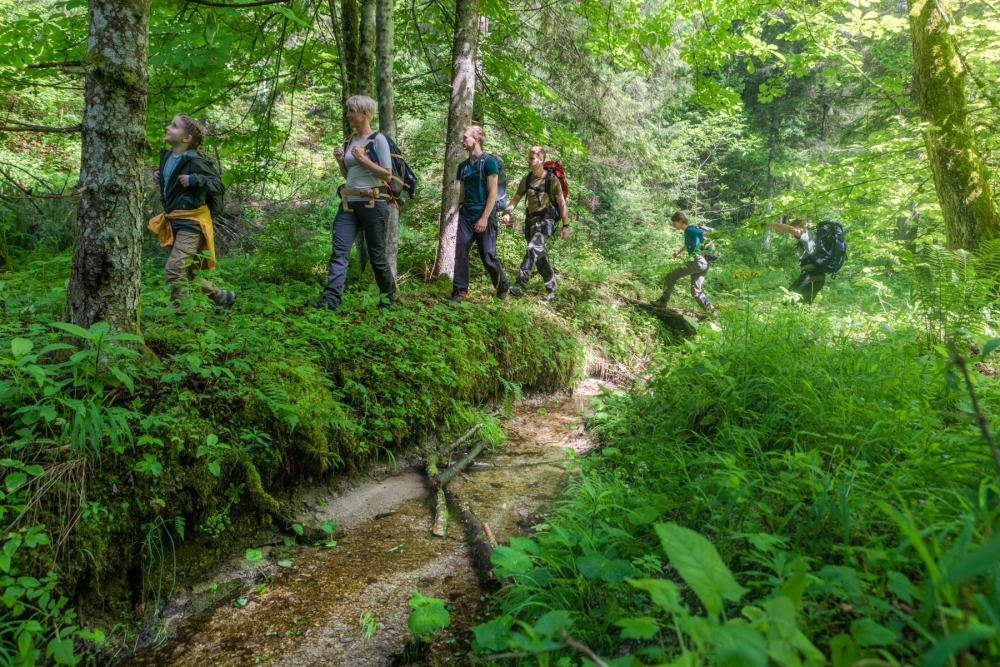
(556, 169)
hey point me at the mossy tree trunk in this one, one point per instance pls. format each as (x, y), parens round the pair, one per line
(366, 49)
(961, 176)
(463, 88)
(349, 24)
(384, 59)
(104, 280)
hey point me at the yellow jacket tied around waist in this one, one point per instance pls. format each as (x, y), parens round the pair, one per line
(160, 225)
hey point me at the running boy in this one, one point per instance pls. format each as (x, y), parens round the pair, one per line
(477, 220)
(696, 267)
(184, 179)
(545, 205)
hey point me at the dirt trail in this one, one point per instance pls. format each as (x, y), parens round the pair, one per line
(309, 614)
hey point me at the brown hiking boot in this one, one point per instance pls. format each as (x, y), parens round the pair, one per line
(659, 303)
(459, 295)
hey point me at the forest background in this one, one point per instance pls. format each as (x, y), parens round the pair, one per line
(880, 115)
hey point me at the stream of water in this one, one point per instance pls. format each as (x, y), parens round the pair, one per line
(310, 612)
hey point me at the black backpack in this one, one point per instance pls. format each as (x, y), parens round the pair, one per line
(403, 181)
(830, 252)
(501, 202)
(708, 248)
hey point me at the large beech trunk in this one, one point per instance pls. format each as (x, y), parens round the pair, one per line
(961, 177)
(463, 88)
(384, 59)
(104, 280)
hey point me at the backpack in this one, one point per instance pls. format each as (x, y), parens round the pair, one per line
(216, 203)
(708, 248)
(403, 181)
(555, 169)
(830, 252)
(501, 202)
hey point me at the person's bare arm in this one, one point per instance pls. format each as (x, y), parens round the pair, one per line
(564, 213)
(491, 200)
(787, 229)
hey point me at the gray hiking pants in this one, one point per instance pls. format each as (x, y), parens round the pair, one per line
(536, 234)
(697, 267)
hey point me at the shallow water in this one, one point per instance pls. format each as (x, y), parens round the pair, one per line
(309, 614)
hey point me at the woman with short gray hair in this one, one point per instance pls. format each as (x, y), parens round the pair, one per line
(366, 162)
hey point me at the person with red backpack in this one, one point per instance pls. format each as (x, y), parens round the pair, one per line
(545, 188)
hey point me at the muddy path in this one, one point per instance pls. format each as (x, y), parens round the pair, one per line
(310, 612)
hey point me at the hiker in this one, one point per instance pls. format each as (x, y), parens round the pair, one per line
(477, 220)
(696, 267)
(187, 182)
(365, 201)
(543, 187)
(822, 251)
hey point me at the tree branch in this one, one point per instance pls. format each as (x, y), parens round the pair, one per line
(23, 127)
(68, 63)
(237, 5)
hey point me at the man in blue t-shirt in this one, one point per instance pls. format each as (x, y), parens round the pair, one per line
(696, 267)
(477, 219)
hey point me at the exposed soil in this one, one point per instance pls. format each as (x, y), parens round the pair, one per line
(309, 614)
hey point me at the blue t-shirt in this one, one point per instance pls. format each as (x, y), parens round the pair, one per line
(692, 239)
(476, 188)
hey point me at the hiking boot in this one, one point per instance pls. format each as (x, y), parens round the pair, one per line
(516, 290)
(321, 305)
(502, 292)
(549, 296)
(459, 295)
(225, 299)
(659, 303)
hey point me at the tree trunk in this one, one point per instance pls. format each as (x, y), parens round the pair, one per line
(349, 57)
(961, 177)
(366, 49)
(772, 155)
(338, 37)
(384, 60)
(463, 87)
(104, 280)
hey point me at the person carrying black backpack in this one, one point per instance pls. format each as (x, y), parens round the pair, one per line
(543, 188)
(822, 251)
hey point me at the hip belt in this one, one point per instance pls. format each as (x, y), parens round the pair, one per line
(371, 194)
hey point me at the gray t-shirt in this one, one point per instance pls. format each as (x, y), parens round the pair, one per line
(358, 177)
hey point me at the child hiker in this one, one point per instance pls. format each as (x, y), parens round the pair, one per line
(184, 179)
(696, 267)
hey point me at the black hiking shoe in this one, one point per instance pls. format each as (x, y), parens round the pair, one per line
(459, 295)
(659, 303)
(321, 305)
(549, 296)
(502, 292)
(516, 290)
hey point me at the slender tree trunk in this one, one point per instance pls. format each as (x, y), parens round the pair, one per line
(349, 56)
(772, 155)
(366, 49)
(384, 60)
(104, 280)
(961, 176)
(338, 37)
(463, 88)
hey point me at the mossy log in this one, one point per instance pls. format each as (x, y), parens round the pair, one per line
(674, 319)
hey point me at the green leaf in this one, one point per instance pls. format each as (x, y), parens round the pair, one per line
(991, 345)
(510, 562)
(211, 28)
(254, 555)
(73, 329)
(15, 480)
(795, 586)
(61, 650)
(99, 329)
(940, 654)
(638, 628)
(284, 563)
(21, 346)
(215, 468)
(982, 560)
(125, 378)
(554, 621)
(428, 615)
(643, 515)
(285, 11)
(664, 593)
(699, 564)
(596, 566)
(298, 529)
(494, 635)
(328, 526)
(867, 632)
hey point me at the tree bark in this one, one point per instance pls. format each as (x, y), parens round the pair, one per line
(961, 176)
(349, 57)
(104, 279)
(463, 88)
(366, 49)
(338, 37)
(384, 60)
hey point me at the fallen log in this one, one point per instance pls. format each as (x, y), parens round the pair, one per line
(673, 319)
(480, 541)
(440, 480)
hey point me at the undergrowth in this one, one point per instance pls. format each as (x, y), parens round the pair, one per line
(793, 487)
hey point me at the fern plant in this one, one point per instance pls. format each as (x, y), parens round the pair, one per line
(956, 289)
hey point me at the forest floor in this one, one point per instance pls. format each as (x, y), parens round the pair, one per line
(310, 612)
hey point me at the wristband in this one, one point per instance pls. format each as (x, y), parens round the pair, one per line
(565, 226)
